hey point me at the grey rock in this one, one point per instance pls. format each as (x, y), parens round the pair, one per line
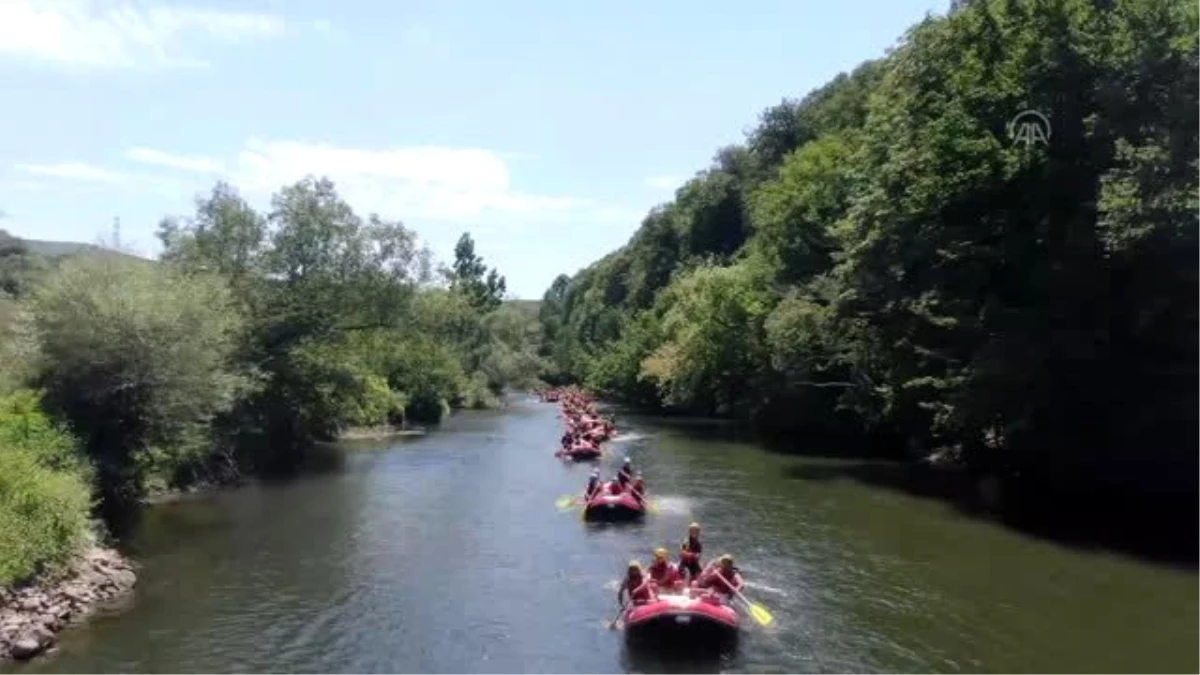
(27, 647)
(124, 578)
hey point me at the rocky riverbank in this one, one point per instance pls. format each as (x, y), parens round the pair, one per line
(32, 616)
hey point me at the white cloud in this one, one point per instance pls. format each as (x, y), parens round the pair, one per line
(416, 182)
(664, 182)
(79, 171)
(120, 33)
(196, 163)
(430, 183)
(26, 185)
(325, 27)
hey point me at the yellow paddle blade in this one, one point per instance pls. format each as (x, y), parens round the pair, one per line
(761, 615)
(565, 503)
(652, 507)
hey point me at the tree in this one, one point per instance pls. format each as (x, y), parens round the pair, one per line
(138, 358)
(471, 277)
(882, 252)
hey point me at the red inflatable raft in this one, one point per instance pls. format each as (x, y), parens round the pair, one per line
(607, 506)
(699, 618)
(580, 454)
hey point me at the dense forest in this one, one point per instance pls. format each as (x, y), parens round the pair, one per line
(252, 338)
(886, 261)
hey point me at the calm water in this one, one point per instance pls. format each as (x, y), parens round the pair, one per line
(446, 553)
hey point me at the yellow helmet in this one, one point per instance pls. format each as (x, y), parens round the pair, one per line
(635, 565)
(694, 526)
(660, 553)
(726, 559)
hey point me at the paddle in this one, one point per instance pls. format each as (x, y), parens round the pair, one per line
(760, 613)
(650, 506)
(566, 502)
(613, 624)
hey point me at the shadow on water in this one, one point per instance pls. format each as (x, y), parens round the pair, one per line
(601, 526)
(1157, 529)
(1161, 533)
(317, 461)
(673, 658)
(809, 444)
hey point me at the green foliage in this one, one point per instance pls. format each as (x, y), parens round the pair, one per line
(254, 336)
(18, 346)
(430, 374)
(484, 289)
(44, 493)
(135, 356)
(339, 309)
(712, 321)
(617, 370)
(793, 213)
(20, 268)
(882, 255)
(24, 423)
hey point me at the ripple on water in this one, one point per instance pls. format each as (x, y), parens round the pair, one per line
(446, 554)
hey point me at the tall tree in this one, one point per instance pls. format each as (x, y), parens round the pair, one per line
(470, 276)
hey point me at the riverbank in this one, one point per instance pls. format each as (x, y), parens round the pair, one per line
(31, 616)
(377, 433)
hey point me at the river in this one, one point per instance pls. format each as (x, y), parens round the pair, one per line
(446, 553)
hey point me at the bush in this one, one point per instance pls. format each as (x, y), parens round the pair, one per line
(44, 493)
(136, 356)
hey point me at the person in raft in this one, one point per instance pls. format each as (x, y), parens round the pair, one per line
(626, 472)
(593, 485)
(637, 585)
(689, 552)
(615, 486)
(568, 442)
(664, 575)
(721, 577)
(638, 488)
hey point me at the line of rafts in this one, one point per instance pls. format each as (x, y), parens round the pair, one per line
(586, 429)
(664, 607)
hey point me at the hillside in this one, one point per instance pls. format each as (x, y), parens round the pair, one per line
(55, 249)
(22, 261)
(529, 307)
(885, 260)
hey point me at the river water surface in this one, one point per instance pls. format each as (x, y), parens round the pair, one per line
(446, 553)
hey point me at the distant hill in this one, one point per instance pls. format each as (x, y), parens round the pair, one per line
(59, 249)
(528, 306)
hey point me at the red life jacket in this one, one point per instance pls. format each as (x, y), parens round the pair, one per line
(717, 581)
(642, 593)
(664, 574)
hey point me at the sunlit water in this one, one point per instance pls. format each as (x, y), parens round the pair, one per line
(446, 553)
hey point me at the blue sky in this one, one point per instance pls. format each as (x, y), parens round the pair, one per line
(547, 129)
